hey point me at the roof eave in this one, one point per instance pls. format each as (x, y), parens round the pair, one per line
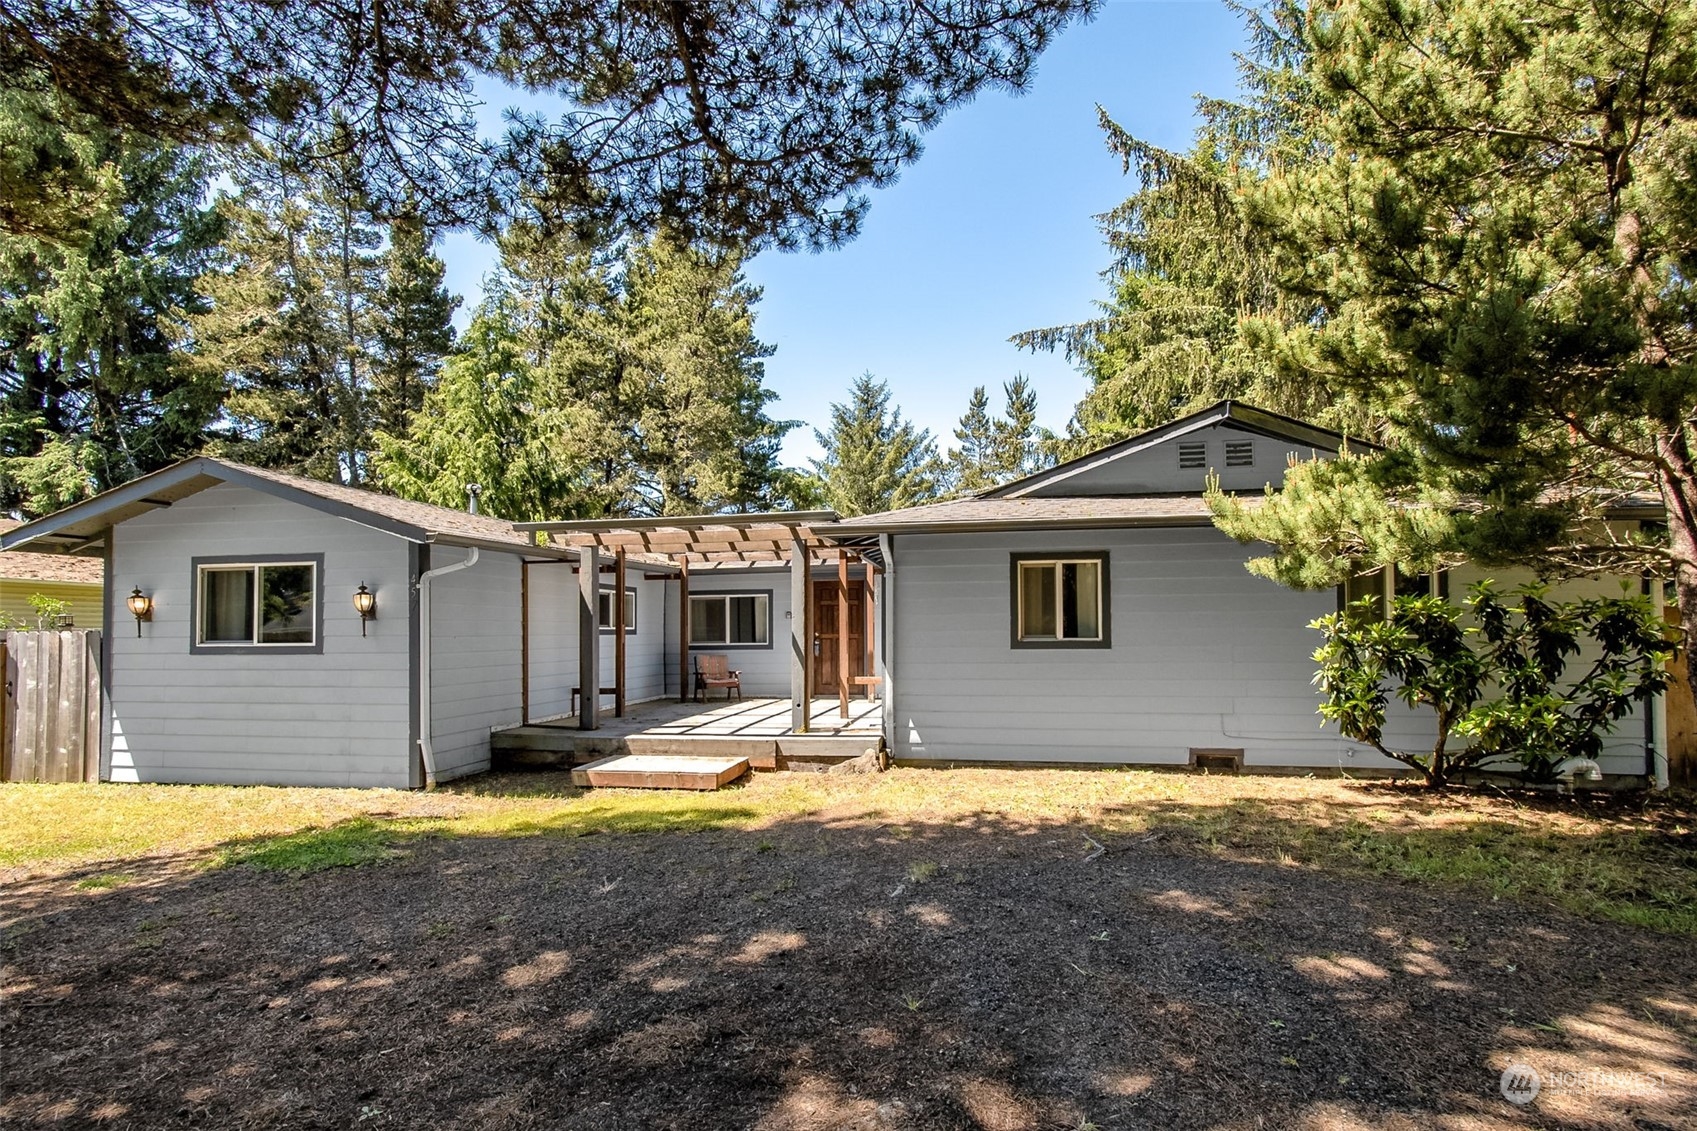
(989, 526)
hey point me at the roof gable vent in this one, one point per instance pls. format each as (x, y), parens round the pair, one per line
(1192, 454)
(1240, 453)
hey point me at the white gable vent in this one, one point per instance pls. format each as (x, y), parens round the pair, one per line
(1193, 453)
(1240, 453)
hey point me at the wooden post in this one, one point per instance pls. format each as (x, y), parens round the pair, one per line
(842, 633)
(588, 638)
(868, 634)
(683, 630)
(524, 642)
(801, 641)
(619, 633)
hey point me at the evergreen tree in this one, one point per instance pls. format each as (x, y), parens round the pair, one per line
(995, 450)
(874, 460)
(1501, 227)
(489, 421)
(1197, 300)
(968, 468)
(414, 327)
(293, 328)
(646, 381)
(91, 392)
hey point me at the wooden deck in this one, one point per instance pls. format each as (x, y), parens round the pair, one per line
(757, 730)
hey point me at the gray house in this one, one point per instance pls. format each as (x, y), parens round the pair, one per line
(1088, 614)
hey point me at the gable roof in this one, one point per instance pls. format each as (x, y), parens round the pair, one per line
(81, 526)
(1232, 414)
(61, 569)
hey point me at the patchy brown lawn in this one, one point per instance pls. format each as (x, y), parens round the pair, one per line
(916, 950)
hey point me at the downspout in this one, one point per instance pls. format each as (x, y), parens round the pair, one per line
(424, 579)
(887, 639)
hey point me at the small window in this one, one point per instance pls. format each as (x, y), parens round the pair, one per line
(731, 619)
(274, 604)
(1061, 602)
(604, 611)
(1240, 453)
(1364, 585)
(1193, 454)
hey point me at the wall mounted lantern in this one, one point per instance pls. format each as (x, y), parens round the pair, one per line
(141, 606)
(365, 604)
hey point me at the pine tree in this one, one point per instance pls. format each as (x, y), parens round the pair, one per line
(414, 328)
(91, 391)
(1500, 225)
(874, 460)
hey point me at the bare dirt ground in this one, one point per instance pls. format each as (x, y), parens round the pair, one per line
(818, 973)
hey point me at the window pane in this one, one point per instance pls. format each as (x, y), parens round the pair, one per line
(226, 606)
(747, 620)
(630, 612)
(604, 609)
(287, 610)
(1366, 585)
(707, 620)
(1037, 601)
(1081, 601)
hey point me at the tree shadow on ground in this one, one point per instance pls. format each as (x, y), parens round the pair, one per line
(820, 972)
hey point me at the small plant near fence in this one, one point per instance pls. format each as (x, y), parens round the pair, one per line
(1494, 671)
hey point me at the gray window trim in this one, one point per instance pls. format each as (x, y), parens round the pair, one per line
(1016, 560)
(697, 595)
(635, 610)
(316, 648)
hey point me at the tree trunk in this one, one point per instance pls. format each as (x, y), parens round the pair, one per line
(1679, 498)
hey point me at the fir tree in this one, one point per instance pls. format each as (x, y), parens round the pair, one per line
(488, 421)
(874, 460)
(91, 391)
(968, 468)
(414, 325)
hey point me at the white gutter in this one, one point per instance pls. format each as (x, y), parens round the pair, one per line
(424, 579)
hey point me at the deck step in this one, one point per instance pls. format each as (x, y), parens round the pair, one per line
(656, 771)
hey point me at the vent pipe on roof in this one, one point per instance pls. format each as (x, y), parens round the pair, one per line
(472, 491)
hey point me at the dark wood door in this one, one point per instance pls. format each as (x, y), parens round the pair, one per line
(825, 634)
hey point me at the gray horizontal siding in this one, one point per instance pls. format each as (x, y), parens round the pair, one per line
(554, 640)
(765, 671)
(1155, 470)
(476, 667)
(1203, 654)
(339, 718)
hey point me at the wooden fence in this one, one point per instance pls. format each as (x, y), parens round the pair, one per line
(50, 713)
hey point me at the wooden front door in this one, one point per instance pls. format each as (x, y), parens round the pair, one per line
(825, 633)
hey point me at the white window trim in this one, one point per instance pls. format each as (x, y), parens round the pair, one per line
(253, 567)
(630, 616)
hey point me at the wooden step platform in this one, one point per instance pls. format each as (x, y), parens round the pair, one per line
(660, 771)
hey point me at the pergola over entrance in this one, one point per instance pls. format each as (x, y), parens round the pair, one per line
(718, 541)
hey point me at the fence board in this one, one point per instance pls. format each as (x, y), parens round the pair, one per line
(52, 722)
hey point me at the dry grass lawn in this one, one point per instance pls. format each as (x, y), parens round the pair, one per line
(1630, 859)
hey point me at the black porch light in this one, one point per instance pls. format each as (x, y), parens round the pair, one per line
(365, 604)
(141, 606)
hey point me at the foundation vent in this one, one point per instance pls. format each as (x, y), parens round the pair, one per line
(1193, 454)
(1216, 760)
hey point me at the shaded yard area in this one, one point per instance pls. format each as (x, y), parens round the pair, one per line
(971, 948)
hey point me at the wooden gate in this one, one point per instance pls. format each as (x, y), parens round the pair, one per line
(50, 714)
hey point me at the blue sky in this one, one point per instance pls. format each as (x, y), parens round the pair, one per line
(991, 232)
